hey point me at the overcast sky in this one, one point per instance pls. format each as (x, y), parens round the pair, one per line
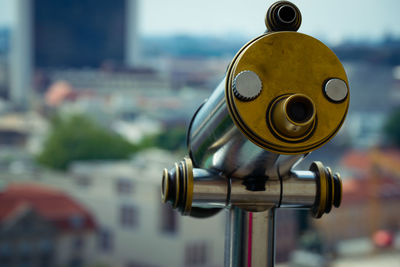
(333, 20)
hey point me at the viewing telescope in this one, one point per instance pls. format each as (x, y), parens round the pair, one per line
(284, 95)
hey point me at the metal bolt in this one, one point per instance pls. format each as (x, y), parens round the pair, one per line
(247, 85)
(336, 90)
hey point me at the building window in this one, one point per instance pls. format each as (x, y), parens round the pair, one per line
(105, 240)
(45, 245)
(25, 253)
(77, 221)
(46, 260)
(168, 219)
(123, 186)
(75, 262)
(138, 264)
(5, 254)
(128, 216)
(83, 181)
(195, 254)
(77, 243)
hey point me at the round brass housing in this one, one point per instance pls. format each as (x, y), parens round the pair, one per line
(287, 63)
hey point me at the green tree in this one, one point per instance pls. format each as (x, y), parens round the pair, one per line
(392, 127)
(172, 139)
(79, 138)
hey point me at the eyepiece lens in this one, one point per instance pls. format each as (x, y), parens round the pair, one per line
(299, 109)
(287, 14)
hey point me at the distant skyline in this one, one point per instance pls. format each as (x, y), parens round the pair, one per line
(331, 20)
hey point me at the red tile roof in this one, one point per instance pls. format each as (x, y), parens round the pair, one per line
(357, 160)
(363, 190)
(378, 175)
(54, 205)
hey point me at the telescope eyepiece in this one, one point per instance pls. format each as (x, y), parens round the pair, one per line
(283, 16)
(300, 109)
(286, 14)
(292, 117)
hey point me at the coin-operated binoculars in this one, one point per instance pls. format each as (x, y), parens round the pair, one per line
(284, 95)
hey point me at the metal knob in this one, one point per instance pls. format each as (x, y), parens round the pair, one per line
(336, 90)
(247, 85)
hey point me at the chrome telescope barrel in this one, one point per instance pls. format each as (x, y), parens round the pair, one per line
(215, 143)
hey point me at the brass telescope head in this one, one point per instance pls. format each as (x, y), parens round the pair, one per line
(284, 95)
(291, 112)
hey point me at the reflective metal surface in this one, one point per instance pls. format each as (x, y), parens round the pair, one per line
(250, 238)
(247, 85)
(185, 187)
(209, 190)
(336, 90)
(261, 238)
(253, 200)
(234, 238)
(215, 143)
(299, 189)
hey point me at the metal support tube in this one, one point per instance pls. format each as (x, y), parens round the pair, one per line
(234, 238)
(209, 190)
(250, 238)
(240, 196)
(299, 190)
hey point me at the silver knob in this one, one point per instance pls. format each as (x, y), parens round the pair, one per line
(247, 85)
(336, 90)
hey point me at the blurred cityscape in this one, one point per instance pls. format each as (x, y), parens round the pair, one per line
(91, 112)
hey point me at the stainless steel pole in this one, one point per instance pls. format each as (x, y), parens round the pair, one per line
(250, 238)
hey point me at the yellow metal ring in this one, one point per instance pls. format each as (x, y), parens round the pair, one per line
(165, 186)
(341, 189)
(177, 173)
(189, 186)
(319, 208)
(330, 176)
(184, 186)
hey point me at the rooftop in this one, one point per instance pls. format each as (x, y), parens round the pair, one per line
(52, 204)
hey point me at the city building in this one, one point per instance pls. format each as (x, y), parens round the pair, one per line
(136, 228)
(133, 227)
(21, 68)
(4, 66)
(68, 34)
(89, 33)
(42, 226)
(374, 95)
